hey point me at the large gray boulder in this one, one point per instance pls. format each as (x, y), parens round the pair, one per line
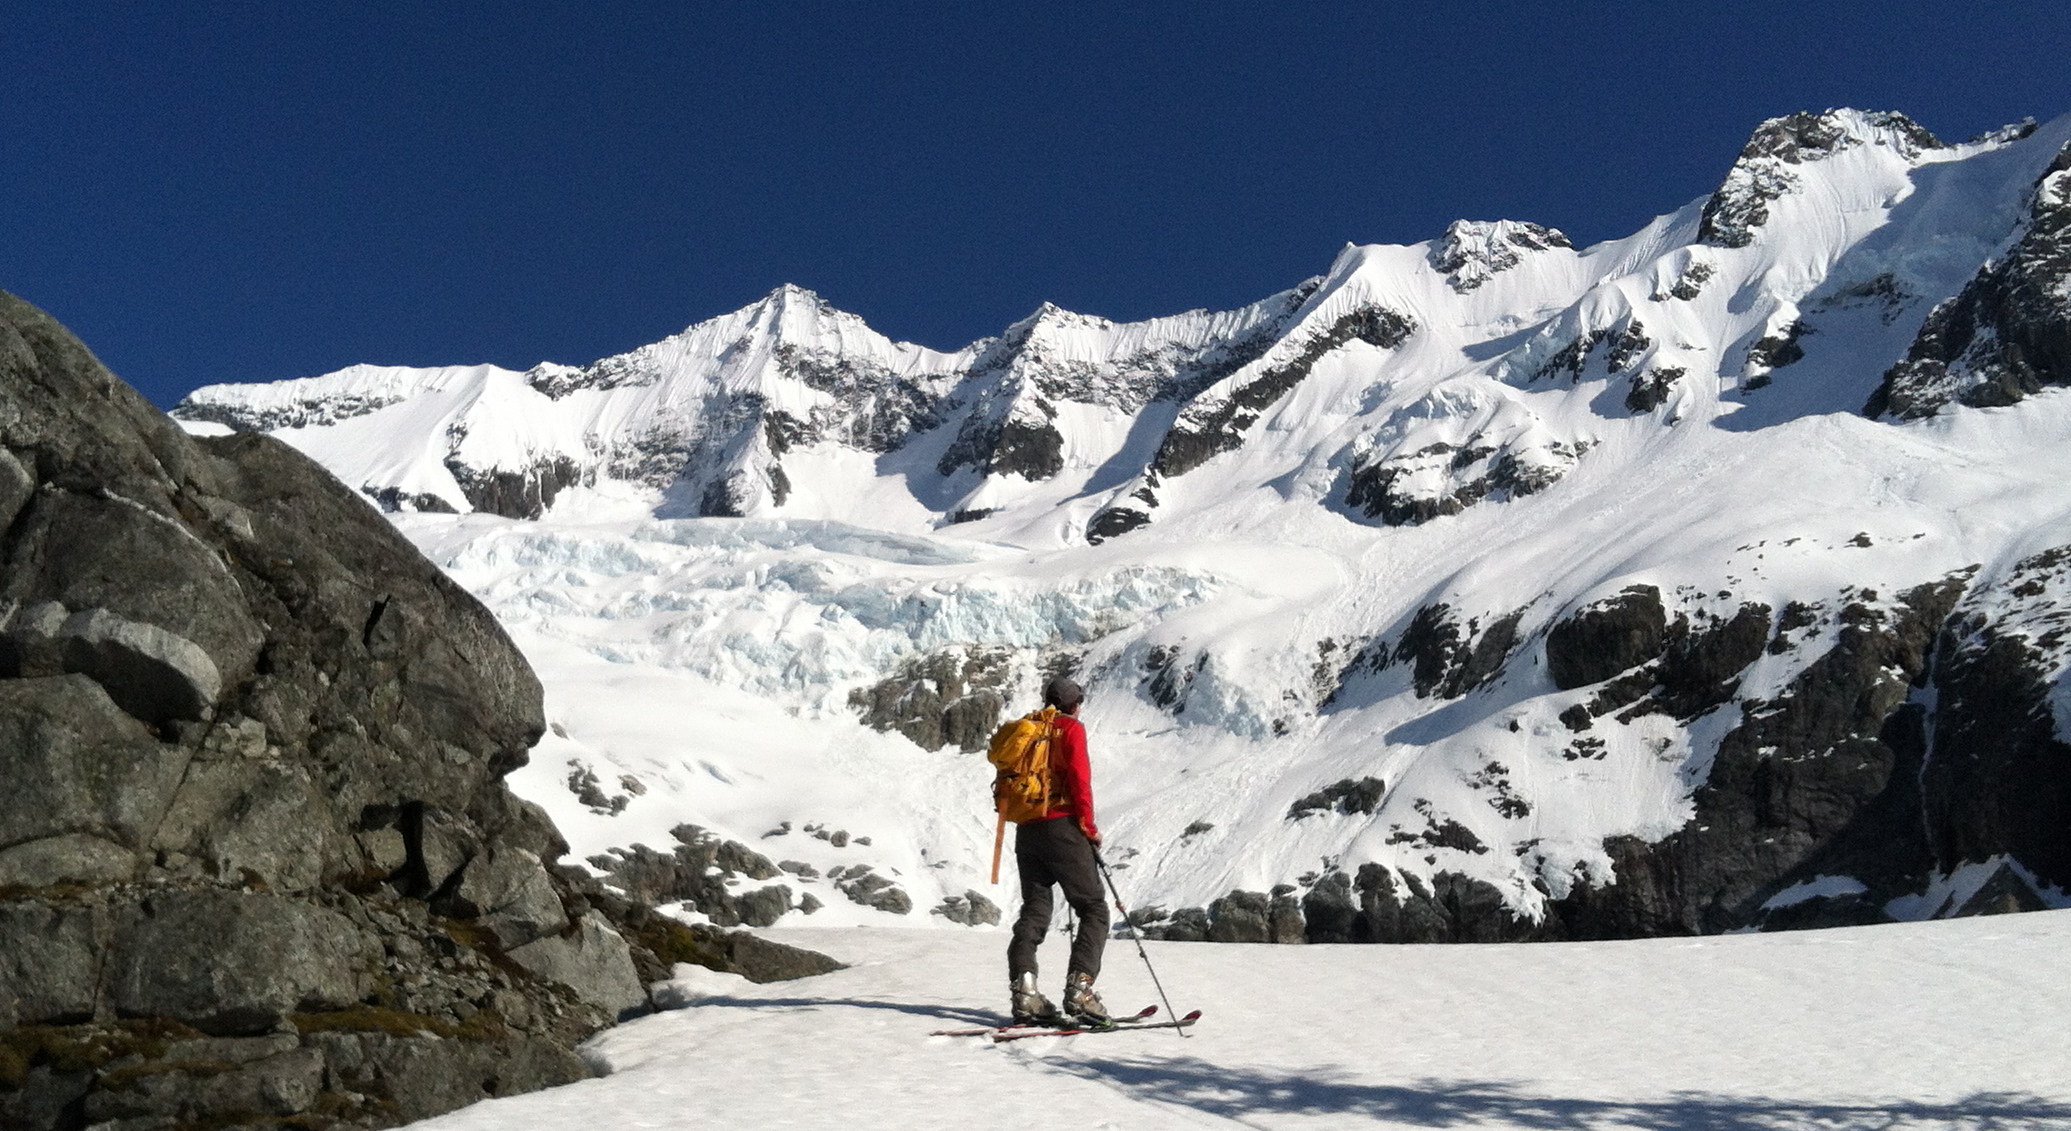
(235, 962)
(50, 963)
(76, 764)
(593, 961)
(257, 860)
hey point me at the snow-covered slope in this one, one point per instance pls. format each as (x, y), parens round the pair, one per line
(1921, 1027)
(1484, 588)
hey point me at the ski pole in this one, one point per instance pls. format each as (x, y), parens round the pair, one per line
(1137, 935)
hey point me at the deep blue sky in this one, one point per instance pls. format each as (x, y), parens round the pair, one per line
(253, 191)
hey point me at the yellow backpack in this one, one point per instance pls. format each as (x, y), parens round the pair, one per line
(1021, 784)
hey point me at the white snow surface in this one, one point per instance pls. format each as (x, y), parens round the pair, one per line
(701, 667)
(1944, 1025)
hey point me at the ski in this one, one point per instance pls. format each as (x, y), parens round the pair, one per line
(1122, 1026)
(1140, 1015)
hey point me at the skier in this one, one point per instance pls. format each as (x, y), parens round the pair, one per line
(1058, 850)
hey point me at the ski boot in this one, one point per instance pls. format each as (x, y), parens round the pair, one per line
(1083, 1005)
(1030, 1006)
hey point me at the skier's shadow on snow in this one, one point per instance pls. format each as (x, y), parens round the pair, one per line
(1235, 1094)
(935, 1012)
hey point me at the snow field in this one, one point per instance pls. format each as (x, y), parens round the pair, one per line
(1944, 1025)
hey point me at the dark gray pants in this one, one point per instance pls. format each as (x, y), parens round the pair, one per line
(1056, 853)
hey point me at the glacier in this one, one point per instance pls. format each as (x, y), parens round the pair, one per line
(777, 570)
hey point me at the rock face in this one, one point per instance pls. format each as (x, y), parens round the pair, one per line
(951, 698)
(1446, 657)
(1916, 747)
(699, 874)
(1607, 638)
(2007, 335)
(1210, 426)
(1763, 174)
(1473, 251)
(257, 861)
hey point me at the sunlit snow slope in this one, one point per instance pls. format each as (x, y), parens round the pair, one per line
(1921, 1027)
(1481, 589)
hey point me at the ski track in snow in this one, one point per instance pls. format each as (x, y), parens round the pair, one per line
(1944, 1025)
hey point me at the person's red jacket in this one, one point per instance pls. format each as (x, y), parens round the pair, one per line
(1072, 775)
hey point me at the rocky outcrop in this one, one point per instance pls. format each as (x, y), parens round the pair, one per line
(1373, 906)
(257, 861)
(729, 883)
(1998, 780)
(1212, 425)
(1166, 679)
(304, 412)
(1648, 666)
(1920, 744)
(1378, 906)
(1824, 776)
(1688, 283)
(1603, 639)
(1346, 797)
(704, 873)
(1773, 351)
(951, 698)
(525, 493)
(1115, 521)
(874, 409)
(2007, 334)
(971, 909)
(1473, 251)
(1447, 657)
(862, 884)
(1650, 390)
(1763, 174)
(1399, 487)
(1025, 444)
(1020, 381)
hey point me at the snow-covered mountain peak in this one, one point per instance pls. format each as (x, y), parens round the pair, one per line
(1071, 410)
(1473, 250)
(1464, 568)
(1774, 164)
(1051, 318)
(1807, 136)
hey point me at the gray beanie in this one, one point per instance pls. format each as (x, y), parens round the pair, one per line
(1063, 694)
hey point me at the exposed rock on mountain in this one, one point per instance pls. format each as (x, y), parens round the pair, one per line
(1921, 744)
(1473, 251)
(1997, 783)
(1407, 488)
(1447, 658)
(1588, 554)
(1650, 390)
(1763, 174)
(2008, 334)
(1348, 796)
(257, 862)
(1216, 424)
(1609, 637)
(1689, 282)
(952, 698)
